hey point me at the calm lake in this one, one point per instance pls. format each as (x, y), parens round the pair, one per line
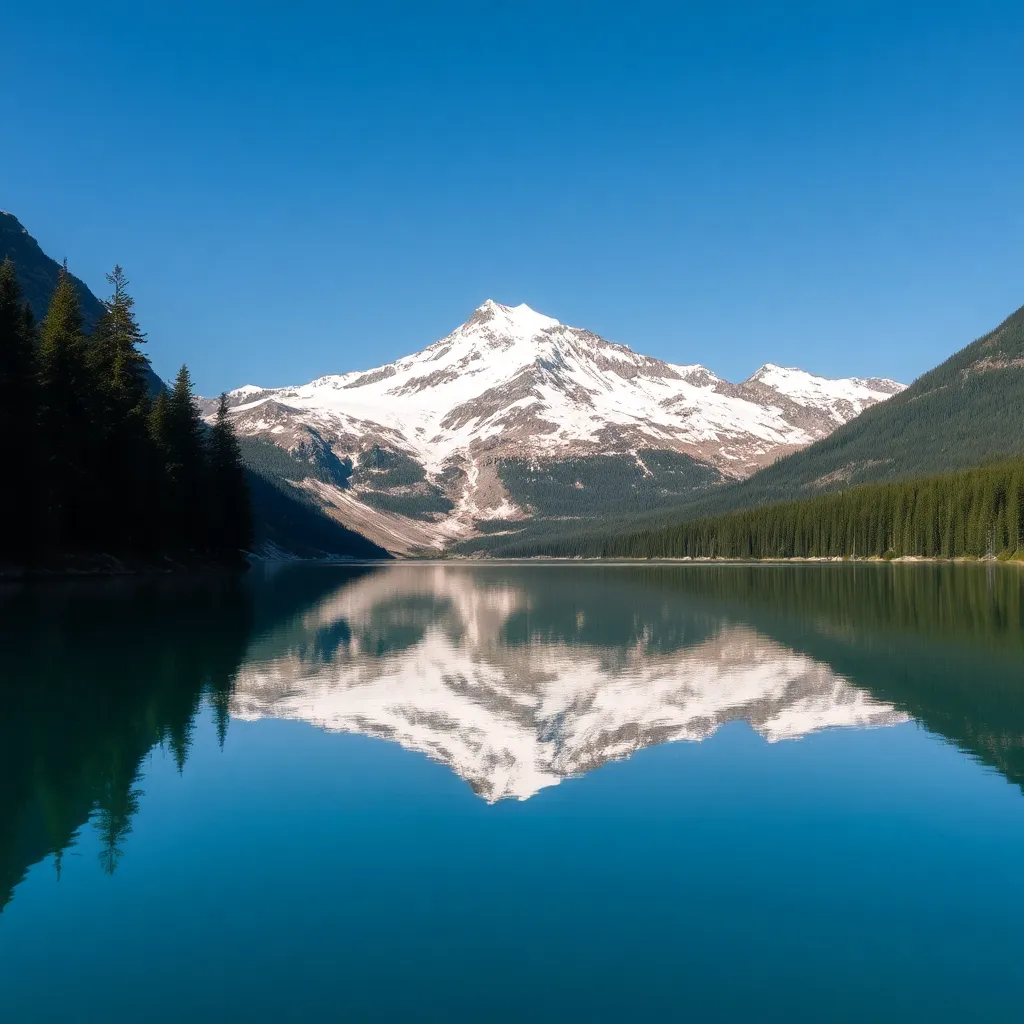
(515, 792)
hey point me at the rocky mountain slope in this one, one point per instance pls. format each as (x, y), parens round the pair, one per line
(963, 413)
(515, 415)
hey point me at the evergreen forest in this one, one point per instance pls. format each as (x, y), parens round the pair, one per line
(973, 514)
(92, 460)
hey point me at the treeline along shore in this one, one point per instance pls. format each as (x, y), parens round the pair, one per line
(972, 514)
(94, 460)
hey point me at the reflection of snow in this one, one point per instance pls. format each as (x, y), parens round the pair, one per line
(513, 719)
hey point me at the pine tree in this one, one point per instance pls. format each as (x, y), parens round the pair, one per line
(183, 446)
(18, 407)
(120, 368)
(90, 462)
(127, 470)
(229, 504)
(162, 516)
(158, 423)
(64, 420)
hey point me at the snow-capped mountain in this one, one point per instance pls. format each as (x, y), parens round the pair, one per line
(422, 449)
(421, 656)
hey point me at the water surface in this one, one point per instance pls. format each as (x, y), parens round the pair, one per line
(497, 792)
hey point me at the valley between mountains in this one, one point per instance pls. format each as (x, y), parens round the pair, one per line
(515, 416)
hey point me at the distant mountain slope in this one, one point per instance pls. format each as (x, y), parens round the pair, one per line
(968, 410)
(287, 519)
(515, 416)
(37, 274)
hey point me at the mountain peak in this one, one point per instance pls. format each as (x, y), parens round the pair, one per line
(452, 435)
(769, 368)
(521, 320)
(17, 225)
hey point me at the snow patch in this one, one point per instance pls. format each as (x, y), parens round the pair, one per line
(511, 381)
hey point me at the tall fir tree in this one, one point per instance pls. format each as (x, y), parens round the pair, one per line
(184, 451)
(91, 462)
(158, 423)
(229, 503)
(119, 366)
(18, 409)
(128, 470)
(163, 520)
(65, 423)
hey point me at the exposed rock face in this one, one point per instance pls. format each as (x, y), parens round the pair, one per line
(513, 384)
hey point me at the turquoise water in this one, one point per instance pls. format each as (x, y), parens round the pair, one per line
(515, 792)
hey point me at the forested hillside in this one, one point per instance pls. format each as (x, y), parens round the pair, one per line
(966, 411)
(288, 518)
(91, 463)
(974, 513)
(38, 275)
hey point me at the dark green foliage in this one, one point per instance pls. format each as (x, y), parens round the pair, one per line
(230, 514)
(381, 468)
(96, 674)
(419, 504)
(178, 433)
(488, 526)
(65, 423)
(38, 275)
(386, 460)
(120, 399)
(912, 635)
(288, 517)
(975, 513)
(93, 463)
(326, 466)
(568, 496)
(266, 459)
(604, 485)
(395, 482)
(114, 355)
(18, 404)
(966, 411)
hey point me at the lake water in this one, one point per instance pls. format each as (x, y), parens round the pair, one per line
(515, 792)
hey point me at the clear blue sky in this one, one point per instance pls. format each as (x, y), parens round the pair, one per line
(298, 189)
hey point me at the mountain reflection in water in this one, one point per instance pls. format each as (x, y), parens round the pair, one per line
(516, 683)
(515, 676)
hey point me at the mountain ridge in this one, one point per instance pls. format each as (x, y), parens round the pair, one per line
(960, 414)
(466, 430)
(37, 275)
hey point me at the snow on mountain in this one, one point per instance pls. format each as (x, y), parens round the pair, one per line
(514, 383)
(844, 398)
(513, 719)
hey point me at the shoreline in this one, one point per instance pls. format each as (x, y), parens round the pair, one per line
(689, 560)
(106, 566)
